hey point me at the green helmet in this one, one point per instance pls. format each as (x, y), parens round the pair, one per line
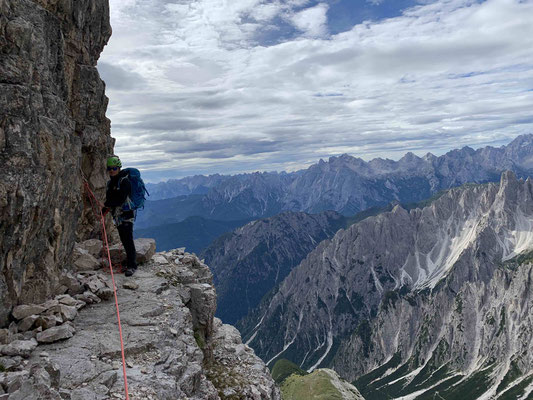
(114, 161)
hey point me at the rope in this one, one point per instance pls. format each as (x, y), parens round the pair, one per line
(92, 198)
(97, 209)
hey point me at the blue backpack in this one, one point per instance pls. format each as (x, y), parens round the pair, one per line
(136, 198)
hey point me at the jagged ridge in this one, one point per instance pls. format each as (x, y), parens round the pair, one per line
(345, 184)
(460, 239)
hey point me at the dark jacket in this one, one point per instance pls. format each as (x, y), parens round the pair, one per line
(118, 190)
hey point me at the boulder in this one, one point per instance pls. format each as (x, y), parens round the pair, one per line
(67, 300)
(130, 285)
(202, 305)
(4, 335)
(27, 323)
(144, 248)
(105, 293)
(117, 253)
(23, 311)
(67, 312)
(22, 348)
(50, 303)
(73, 285)
(46, 322)
(88, 297)
(41, 382)
(10, 363)
(56, 333)
(94, 283)
(92, 246)
(86, 262)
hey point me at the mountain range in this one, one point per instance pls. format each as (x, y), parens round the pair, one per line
(344, 184)
(412, 303)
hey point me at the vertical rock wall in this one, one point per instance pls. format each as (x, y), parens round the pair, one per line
(52, 127)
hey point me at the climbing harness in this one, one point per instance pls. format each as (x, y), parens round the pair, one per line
(98, 212)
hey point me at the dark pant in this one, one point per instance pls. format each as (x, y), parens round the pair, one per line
(125, 230)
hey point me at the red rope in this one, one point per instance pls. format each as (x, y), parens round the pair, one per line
(97, 209)
(104, 237)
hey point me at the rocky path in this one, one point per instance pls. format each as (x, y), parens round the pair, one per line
(174, 347)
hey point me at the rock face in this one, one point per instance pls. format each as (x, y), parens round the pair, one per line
(52, 129)
(345, 184)
(250, 261)
(175, 349)
(420, 288)
(474, 343)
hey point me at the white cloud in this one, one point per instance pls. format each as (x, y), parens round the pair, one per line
(182, 74)
(312, 21)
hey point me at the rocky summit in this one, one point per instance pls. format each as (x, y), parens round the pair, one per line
(410, 303)
(175, 348)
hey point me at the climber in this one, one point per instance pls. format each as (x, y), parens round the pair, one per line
(117, 199)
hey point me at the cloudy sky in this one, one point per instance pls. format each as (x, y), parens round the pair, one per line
(227, 86)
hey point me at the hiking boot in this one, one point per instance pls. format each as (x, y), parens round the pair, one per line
(130, 271)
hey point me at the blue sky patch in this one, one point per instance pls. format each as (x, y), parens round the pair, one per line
(343, 15)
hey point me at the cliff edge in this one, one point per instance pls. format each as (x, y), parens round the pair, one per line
(174, 347)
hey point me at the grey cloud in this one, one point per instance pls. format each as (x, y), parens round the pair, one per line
(214, 103)
(431, 80)
(170, 124)
(234, 146)
(428, 119)
(118, 78)
(160, 137)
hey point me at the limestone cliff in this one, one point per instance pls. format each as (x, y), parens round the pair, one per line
(435, 297)
(53, 130)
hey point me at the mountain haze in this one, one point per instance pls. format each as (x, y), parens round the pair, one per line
(344, 184)
(248, 262)
(194, 233)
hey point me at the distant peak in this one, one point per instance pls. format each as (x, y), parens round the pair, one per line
(522, 140)
(343, 157)
(409, 156)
